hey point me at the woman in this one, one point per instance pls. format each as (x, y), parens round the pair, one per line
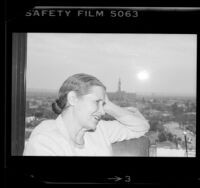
(78, 130)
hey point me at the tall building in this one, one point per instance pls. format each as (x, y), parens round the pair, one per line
(119, 85)
(122, 98)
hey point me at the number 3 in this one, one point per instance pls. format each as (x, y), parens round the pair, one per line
(127, 179)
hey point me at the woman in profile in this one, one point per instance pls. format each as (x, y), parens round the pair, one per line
(79, 130)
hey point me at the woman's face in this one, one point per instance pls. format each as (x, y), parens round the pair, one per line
(90, 107)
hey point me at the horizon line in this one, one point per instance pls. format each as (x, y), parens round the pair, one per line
(140, 93)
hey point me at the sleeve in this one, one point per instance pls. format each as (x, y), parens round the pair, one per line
(122, 129)
(41, 145)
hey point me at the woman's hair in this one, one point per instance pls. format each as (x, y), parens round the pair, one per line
(79, 83)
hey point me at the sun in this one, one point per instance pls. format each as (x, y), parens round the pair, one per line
(143, 75)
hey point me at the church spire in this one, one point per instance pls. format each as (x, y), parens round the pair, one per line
(119, 85)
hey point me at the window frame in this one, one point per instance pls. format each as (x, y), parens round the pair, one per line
(18, 92)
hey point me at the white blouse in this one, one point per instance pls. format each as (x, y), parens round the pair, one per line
(50, 138)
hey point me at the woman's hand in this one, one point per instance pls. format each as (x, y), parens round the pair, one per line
(113, 109)
(107, 100)
(118, 112)
(107, 105)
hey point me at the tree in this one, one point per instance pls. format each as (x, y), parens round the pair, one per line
(38, 114)
(153, 125)
(170, 137)
(29, 125)
(191, 128)
(162, 137)
(176, 110)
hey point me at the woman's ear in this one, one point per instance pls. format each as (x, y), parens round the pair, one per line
(72, 98)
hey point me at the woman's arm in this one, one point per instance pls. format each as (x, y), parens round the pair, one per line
(132, 119)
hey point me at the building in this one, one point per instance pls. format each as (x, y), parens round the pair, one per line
(119, 86)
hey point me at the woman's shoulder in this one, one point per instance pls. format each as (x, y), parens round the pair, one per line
(45, 127)
(45, 139)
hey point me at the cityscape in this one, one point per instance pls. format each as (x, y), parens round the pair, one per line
(172, 119)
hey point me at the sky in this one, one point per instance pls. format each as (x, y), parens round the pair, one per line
(145, 63)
